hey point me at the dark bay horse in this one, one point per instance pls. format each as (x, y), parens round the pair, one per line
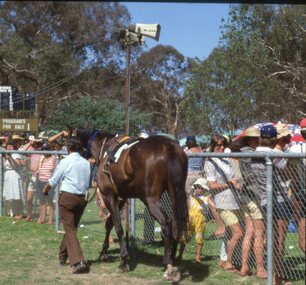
(145, 170)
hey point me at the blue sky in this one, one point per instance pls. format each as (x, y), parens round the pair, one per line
(192, 28)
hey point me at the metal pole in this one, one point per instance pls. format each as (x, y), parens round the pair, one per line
(57, 201)
(269, 187)
(1, 185)
(127, 87)
(132, 223)
(127, 103)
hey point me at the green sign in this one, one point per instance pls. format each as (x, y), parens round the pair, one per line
(18, 125)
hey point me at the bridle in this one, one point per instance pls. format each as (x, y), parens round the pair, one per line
(89, 143)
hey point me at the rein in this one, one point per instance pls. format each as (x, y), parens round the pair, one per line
(101, 151)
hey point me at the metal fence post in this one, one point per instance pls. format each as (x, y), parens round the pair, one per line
(269, 221)
(57, 202)
(132, 227)
(1, 186)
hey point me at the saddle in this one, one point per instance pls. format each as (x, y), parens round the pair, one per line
(119, 144)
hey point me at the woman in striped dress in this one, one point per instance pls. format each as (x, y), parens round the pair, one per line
(46, 167)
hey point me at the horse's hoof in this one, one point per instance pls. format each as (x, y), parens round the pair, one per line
(104, 257)
(122, 269)
(182, 267)
(172, 274)
(176, 275)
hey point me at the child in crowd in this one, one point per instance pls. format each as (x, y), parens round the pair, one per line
(197, 202)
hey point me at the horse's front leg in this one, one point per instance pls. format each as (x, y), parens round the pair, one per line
(108, 226)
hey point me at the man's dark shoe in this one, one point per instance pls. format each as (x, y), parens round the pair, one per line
(80, 268)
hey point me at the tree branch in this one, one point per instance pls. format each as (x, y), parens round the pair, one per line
(26, 73)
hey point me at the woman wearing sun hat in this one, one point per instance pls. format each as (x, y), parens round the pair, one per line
(194, 163)
(282, 212)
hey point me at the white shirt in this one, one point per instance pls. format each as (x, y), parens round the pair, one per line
(74, 172)
(225, 199)
(299, 148)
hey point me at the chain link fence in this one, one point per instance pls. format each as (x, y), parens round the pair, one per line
(273, 183)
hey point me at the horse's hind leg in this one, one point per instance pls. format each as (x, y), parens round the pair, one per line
(160, 215)
(172, 273)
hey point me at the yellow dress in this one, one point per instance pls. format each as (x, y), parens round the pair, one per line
(197, 220)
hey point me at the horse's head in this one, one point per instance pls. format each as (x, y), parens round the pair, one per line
(88, 135)
(83, 135)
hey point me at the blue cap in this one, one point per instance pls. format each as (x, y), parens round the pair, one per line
(268, 132)
(190, 139)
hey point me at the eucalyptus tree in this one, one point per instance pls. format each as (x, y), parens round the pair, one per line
(51, 48)
(158, 83)
(102, 114)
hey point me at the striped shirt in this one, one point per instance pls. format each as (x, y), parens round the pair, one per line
(46, 167)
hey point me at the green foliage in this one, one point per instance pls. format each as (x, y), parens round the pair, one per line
(107, 115)
(256, 74)
(50, 48)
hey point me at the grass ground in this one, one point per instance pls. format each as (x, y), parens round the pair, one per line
(29, 256)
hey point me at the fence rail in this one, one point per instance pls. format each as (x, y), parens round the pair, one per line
(255, 166)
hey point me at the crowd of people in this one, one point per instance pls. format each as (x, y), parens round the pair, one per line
(230, 191)
(237, 197)
(26, 174)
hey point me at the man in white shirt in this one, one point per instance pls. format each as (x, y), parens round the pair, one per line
(74, 174)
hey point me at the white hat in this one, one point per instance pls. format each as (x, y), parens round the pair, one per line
(203, 182)
(32, 138)
(252, 132)
(282, 130)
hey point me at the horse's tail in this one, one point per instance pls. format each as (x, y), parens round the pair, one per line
(177, 174)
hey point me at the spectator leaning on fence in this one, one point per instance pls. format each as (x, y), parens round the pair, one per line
(221, 183)
(32, 165)
(299, 186)
(254, 223)
(72, 202)
(281, 206)
(47, 164)
(194, 163)
(12, 186)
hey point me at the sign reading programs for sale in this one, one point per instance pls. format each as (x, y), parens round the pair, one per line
(19, 125)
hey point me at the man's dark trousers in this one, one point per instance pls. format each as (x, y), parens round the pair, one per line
(71, 207)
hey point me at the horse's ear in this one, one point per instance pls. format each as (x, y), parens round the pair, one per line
(70, 130)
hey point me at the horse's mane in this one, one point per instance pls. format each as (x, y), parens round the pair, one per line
(84, 134)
